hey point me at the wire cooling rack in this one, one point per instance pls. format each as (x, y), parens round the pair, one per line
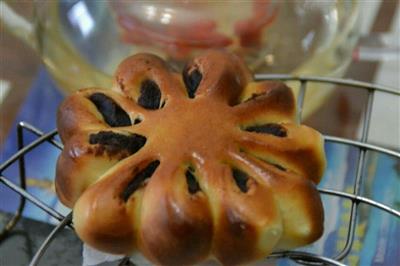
(298, 256)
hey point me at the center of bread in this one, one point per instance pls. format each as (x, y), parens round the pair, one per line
(199, 125)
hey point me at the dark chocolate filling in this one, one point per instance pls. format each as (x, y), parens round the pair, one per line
(115, 142)
(193, 185)
(150, 95)
(139, 178)
(241, 179)
(271, 128)
(192, 81)
(162, 104)
(280, 167)
(112, 113)
(137, 120)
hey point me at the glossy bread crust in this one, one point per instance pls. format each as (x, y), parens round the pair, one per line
(184, 167)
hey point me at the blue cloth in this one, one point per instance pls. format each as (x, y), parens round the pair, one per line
(39, 109)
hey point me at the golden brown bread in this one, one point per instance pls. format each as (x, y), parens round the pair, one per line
(183, 168)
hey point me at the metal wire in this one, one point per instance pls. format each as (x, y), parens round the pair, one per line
(26, 149)
(22, 181)
(32, 199)
(336, 81)
(300, 257)
(50, 237)
(362, 145)
(357, 183)
(37, 132)
(360, 199)
(305, 258)
(21, 190)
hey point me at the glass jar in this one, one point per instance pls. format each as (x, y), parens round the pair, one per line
(81, 41)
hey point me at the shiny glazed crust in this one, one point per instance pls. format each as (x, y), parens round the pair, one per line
(187, 167)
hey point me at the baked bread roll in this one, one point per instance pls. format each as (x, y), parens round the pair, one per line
(184, 167)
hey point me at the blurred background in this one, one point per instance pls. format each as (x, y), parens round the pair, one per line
(48, 49)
